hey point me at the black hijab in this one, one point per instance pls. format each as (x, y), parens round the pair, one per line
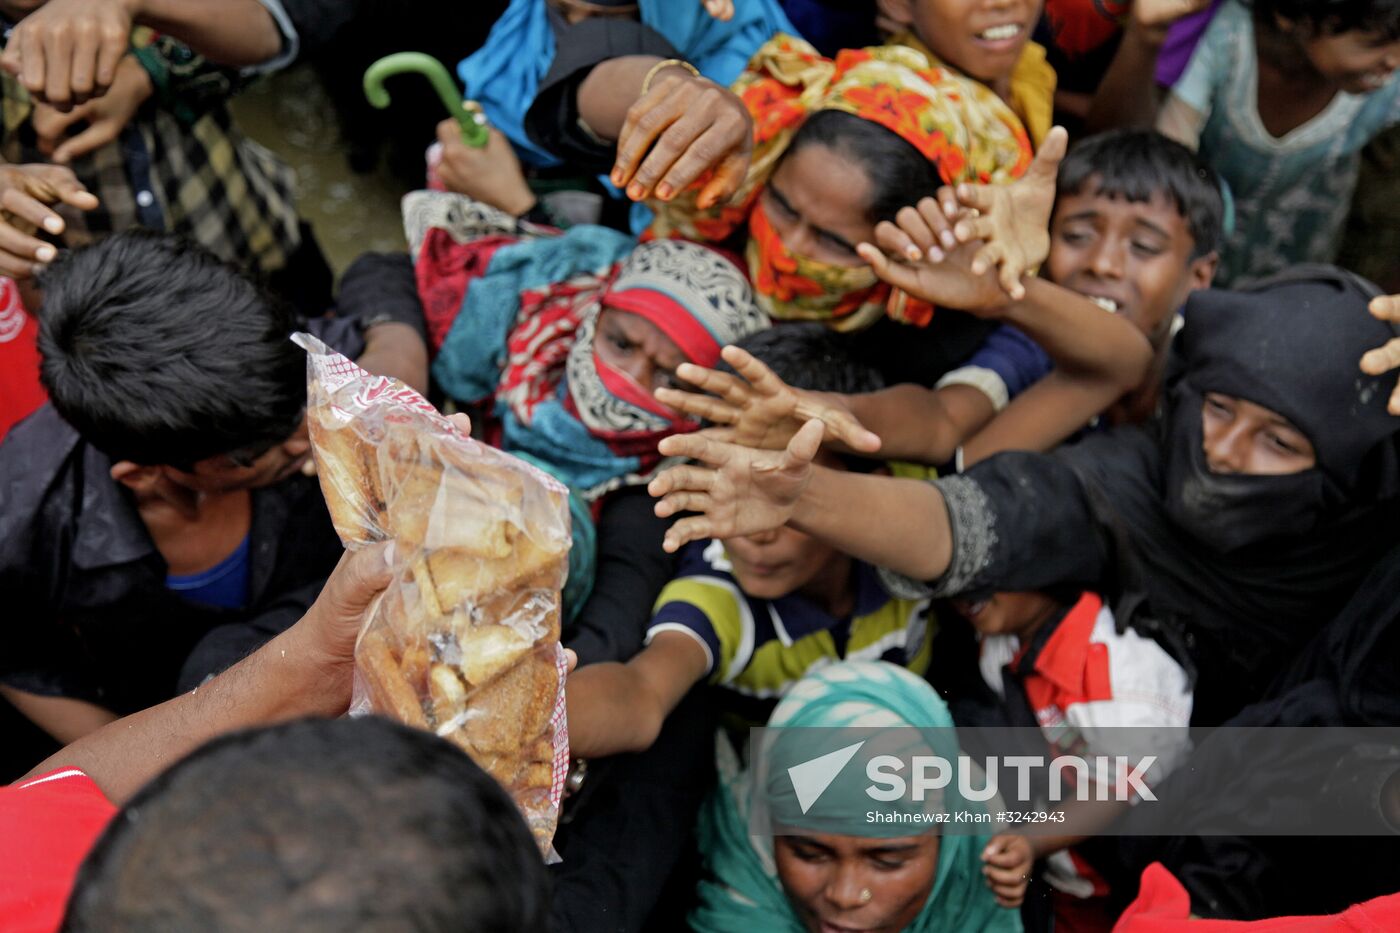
(1252, 566)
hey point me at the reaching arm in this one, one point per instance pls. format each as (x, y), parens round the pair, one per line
(305, 671)
(615, 708)
(64, 718)
(919, 424)
(1128, 95)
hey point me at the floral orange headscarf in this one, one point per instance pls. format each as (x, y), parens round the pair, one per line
(958, 123)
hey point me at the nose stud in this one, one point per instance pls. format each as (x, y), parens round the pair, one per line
(865, 895)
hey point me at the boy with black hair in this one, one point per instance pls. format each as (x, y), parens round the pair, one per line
(753, 614)
(155, 523)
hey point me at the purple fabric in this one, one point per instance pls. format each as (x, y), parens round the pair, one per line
(1180, 43)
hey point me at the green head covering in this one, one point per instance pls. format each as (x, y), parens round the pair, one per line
(864, 696)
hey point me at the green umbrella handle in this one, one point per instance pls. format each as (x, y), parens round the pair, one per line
(473, 122)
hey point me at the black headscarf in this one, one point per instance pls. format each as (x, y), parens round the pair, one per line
(1251, 566)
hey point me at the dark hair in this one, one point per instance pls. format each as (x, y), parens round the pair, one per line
(814, 357)
(316, 825)
(811, 356)
(899, 173)
(1138, 165)
(1330, 17)
(159, 353)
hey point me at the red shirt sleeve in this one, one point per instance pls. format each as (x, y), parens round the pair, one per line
(47, 826)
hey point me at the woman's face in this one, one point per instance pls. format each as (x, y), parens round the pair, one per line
(843, 884)
(818, 202)
(1245, 438)
(633, 345)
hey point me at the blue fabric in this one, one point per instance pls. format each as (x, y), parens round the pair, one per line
(504, 74)
(469, 364)
(1016, 358)
(224, 585)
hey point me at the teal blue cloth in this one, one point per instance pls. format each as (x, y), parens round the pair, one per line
(583, 552)
(743, 892)
(504, 74)
(468, 366)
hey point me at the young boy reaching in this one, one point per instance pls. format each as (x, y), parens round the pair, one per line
(1135, 225)
(752, 613)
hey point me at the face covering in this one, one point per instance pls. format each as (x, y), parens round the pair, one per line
(794, 288)
(1229, 511)
(610, 402)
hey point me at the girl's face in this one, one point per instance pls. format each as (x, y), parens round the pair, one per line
(844, 884)
(981, 38)
(818, 202)
(1245, 438)
(1357, 62)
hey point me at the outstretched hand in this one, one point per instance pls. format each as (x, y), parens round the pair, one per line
(1384, 358)
(757, 409)
(736, 490)
(910, 255)
(1013, 220)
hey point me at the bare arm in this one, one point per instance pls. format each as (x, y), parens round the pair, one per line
(1080, 337)
(305, 671)
(1042, 417)
(67, 51)
(611, 88)
(394, 349)
(615, 708)
(64, 718)
(900, 524)
(920, 424)
(1128, 95)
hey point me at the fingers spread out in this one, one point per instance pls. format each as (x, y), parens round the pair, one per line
(701, 406)
(677, 502)
(759, 376)
(897, 274)
(683, 478)
(724, 385)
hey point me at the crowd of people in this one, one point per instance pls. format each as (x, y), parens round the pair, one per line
(925, 363)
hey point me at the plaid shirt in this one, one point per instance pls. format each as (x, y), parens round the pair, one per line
(180, 165)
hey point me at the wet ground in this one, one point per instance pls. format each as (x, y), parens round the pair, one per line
(291, 114)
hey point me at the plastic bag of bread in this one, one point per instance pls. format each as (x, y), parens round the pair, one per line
(467, 643)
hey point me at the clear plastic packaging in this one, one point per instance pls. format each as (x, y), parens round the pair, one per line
(466, 642)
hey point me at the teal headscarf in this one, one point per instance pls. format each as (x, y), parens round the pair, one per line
(743, 891)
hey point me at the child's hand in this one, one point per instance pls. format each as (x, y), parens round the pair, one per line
(67, 51)
(106, 116)
(1386, 357)
(1013, 219)
(738, 490)
(25, 193)
(1006, 863)
(760, 410)
(684, 127)
(491, 174)
(910, 256)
